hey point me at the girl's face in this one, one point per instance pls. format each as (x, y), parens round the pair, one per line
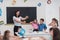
(35, 21)
(18, 13)
(53, 23)
(51, 32)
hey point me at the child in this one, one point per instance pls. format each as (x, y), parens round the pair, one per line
(42, 26)
(55, 33)
(7, 36)
(21, 32)
(35, 25)
(54, 23)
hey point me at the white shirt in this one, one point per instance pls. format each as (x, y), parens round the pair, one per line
(17, 18)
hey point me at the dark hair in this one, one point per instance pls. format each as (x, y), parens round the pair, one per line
(42, 19)
(56, 33)
(16, 12)
(19, 27)
(35, 19)
(50, 29)
(55, 20)
(6, 36)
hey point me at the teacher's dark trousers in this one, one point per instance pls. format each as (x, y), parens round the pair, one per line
(16, 29)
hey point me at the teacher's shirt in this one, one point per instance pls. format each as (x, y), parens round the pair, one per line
(15, 22)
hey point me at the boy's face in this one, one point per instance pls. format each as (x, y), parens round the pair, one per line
(41, 21)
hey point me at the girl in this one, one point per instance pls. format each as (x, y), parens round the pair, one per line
(17, 21)
(55, 33)
(7, 36)
(35, 25)
(54, 23)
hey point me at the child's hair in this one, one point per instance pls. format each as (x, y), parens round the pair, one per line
(55, 21)
(19, 28)
(56, 33)
(50, 29)
(42, 19)
(34, 20)
(6, 35)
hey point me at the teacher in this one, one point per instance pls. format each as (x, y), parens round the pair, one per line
(17, 21)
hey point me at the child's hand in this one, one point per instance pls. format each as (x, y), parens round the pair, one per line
(30, 22)
(50, 24)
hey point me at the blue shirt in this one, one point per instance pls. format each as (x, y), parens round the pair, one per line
(42, 26)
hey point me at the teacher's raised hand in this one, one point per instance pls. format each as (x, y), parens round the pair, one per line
(27, 17)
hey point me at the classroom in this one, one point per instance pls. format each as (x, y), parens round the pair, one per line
(29, 19)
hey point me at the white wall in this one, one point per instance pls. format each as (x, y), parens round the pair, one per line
(52, 10)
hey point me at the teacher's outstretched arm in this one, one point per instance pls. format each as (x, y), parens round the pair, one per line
(24, 18)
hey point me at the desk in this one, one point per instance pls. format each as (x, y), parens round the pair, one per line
(38, 36)
(28, 34)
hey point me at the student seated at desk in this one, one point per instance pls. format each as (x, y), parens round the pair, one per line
(42, 26)
(35, 25)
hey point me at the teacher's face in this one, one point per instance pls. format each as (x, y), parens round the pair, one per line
(18, 13)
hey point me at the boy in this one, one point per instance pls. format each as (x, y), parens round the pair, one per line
(42, 26)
